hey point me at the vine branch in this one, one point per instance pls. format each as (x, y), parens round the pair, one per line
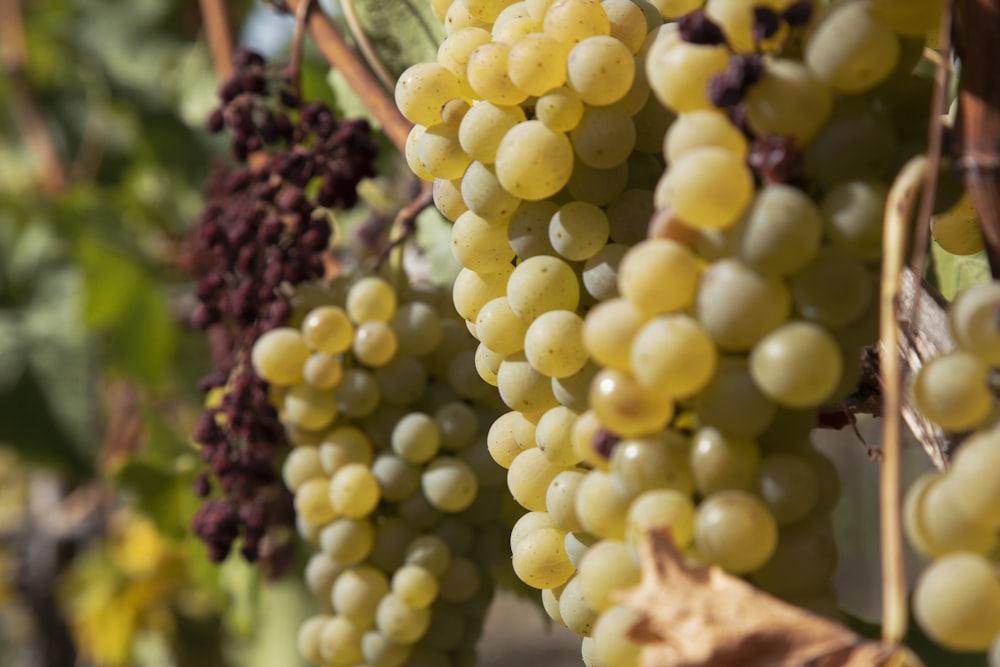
(405, 225)
(219, 34)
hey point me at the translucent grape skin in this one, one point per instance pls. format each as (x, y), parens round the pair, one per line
(956, 601)
(735, 530)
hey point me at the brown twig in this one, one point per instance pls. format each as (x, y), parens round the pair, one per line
(358, 32)
(336, 51)
(27, 113)
(219, 33)
(405, 225)
(295, 58)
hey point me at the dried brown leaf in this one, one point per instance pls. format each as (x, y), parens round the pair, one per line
(694, 616)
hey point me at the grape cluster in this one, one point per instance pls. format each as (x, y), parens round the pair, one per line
(668, 215)
(953, 517)
(390, 472)
(261, 230)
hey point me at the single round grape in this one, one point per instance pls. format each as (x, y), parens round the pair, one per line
(627, 408)
(537, 63)
(399, 622)
(308, 408)
(788, 99)
(673, 354)
(606, 568)
(578, 230)
(279, 355)
(779, 233)
(574, 610)
(423, 89)
(484, 126)
(659, 509)
(738, 305)
(972, 475)
(707, 188)
(973, 321)
(343, 445)
(528, 523)
(700, 129)
(540, 284)
(719, 463)
(500, 440)
(415, 586)
(522, 387)
(484, 195)
(658, 461)
(357, 394)
(534, 162)
(440, 153)
(449, 484)
(604, 137)
(301, 465)
(612, 645)
(340, 642)
(540, 559)
(553, 343)
(956, 601)
(489, 76)
(560, 499)
(957, 229)
(574, 20)
(853, 213)
(679, 73)
(797, 365)
(934, 520)
(416, 438)
(952, 391)
(528, 478)
(472, 291)
(354, 491)
(601, 506)
(328, 329)
(322, 370)
(608, 332)
(850, 49)
(347, 540)
(651, 265)
(735, 530)
(553, 435)
(357, 591)
(430, 552)
(600, 69)
(375, 343)
(560, 109)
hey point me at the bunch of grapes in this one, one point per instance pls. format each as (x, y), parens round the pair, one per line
(667, 374)
(265, 227)
(390, 472)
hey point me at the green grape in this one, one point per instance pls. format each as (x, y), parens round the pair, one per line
(553, 344)
(560, 499)
(484, 195)
(461, 581)
(343, 445)
(307, 640)
(534, 162)
(651, 265)
(540, 559)
(357, 591)
(850, 49)
(540, 284)
(458, 424)
(803, 563)
(430, 552)
(472, 291)
(627, 408)
(572, 391)
(600, 271)
(952, 391)
(956, 601)
(702, 129)
(322, 370)
(525, 427)
(909, 18)
(788, 99)
(629, 214)
(658, 461)
(458, 18)
(600, 69)
(340, 642)
(737, 21)
(279, 355)
(673, 354)
(612, 645)
(553, 435)
(320, 573)
(576, 614)
(628, 23)
(378, 651)
(301, 465)
(719, 462)
(484, 126)
(528, 478)
(423, 89)
(797, 365)
(537, 8)
(657, 509)
(522, 387)
(935, 522)
(347, 541)
(402, 381)
(374, 343)
(707, 188)
(577, 230)
(308, 408)
(448, 198)
(537, 63)
(957, 229)
(354, 491)
(973, 323)
(604, 137)
(732, 402)
(577, 544)
(735, 530)
(370, 298)
(480, 244)
(357, 394)
(397, 479)
(560, 109)
(440, 153)
(528, 229)
(973, 476)
(788, 485)
(550, 603)
(411, 153)
(679, 72)
(606, 568)
(516, 29)
(326, 329)
(418, 328)
(858, 142)
(835, 288)
(528, 523)
(487, 10)
(779, 233)
(312, 501)
(853, 212)
(414, 586)
(601, 506)
(597, 186)
(500, 440)
(575, 20)
(399, 622)
(489, 76)
(449, 484)
(453, 112)
(738, 306)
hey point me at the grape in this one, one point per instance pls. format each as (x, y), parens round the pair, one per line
(322, 371)
(354, 491)
(936, 523)
(528, 478)
(484, 126)
(423, 89)
(788, 99)
(679, 73)
(973, 474)
(957, 229)
(600, 271)
(489, 76)
(399, 622)
(657, 509)
(789, 486)
(779, 233)
(537, 63)
(307, 640)
(612, 645)
(606, 568)
(574, 20)
(411, 152)
(858, 142)
(609, 329)
(357, 394)
(653, 264)
(414, 586)
(853, 211)
(458, 18)
(328, 329)
(627, 408)
(739, 306)
(449, 484)
(528, 523)
(600, 69)
(560, 499)
(658, 461)
(701, 129)
(553, 435)
(343, 445)
(850, 49)
(378, 651)
(522, 387)
(402, 381)
(484, 195)
(604, 137)
(339, 642)
(952, 391)
(797, 365)
(448, 198)
(278, 356)
(956, 601)
(540, 560)
(370, 298)
(397, 479)
(479, 244)
(553, 343)
(732, 402)
(440, 153)
(347, 541)
(430, 552)
(374, 343)
(627, 22)
(578, 230)
(735, 530)
(707, 188)
(803, 563)
(312, 501)
(457, 424)
(540, 284)
(719, 462)
(533, 162)
(301, 465)
(673, 354)
(560, 109)
(473, 290)
(576, 614)
(973, 321)
(601, 506)
(500, 440)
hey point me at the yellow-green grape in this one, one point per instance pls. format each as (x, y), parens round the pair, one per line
(797, 365)
(301, 465)
(537, 63)
(458, 424)
(701, 129)
(609, 329)
(397, 479)
(627, 408)
(340, 642)
(574, 20)
(418, 328)
(909, 18)
(606, 568)
(553, 343)
(957, 229)
(472, 290)
(487, 10)
(343, 445)
(627, 22)
(328, 329)
(440, 153)
(956, 601)
(560, 499)
(560, 109)
(528, 478)
(448, 198)
(738, 306)
(597, 186)
(973, 323)
(707, 188)
(453, 54)
(430, 552)
(658, 461)
(574, 610)
(378, 651)
(279, 355)
(399, 622)
(522, 387)
(719, 463)
(528, 523)
(346, 540)
(858, 142)
(737, 19)
(936, 524)
(850, 49)
(528, 229)
(459, 17)
(489, 77)
(550, 603)
(788, 99)
(500, 440)
(540, 284)
(533, 161)
(780, 231)
(732, 403)
(357, 394)
(312, 501)
(601, 506)
(411, 152)
(604, 137)
(804, 562)
(322, 370)
(658, 276)
(600, 69)
(416, 438)
(449, 484)
(484, 126)
(612, 645)
(461, 580)
(788, 485)
(354, 491)
(499, 328)
(307, 640)
(516, 29)
(659, 509)
(423, 89)
(975, 464)
(735, 530)
(415, 586)
(371, 298)
(553, 435)
(673, 354)
(375, 343)
(480, 244)
(853, 213)
(834, 289)
(679, 73)
(572, 391)
(600, 271)
(308, 408)
(577, 230)
(454, 111)
(540, 559)
(484, 194)
(952, 391)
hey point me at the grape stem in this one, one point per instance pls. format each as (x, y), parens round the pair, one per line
(898, 211)
(295, 57)
(219, 35)
(405, 224)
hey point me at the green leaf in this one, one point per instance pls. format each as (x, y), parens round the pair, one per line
(402, 33)
(113, 281)
(954, 273)
(143, 342)
(162, 494)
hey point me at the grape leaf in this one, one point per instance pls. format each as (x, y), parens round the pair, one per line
(402, 33)
(955, 273)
